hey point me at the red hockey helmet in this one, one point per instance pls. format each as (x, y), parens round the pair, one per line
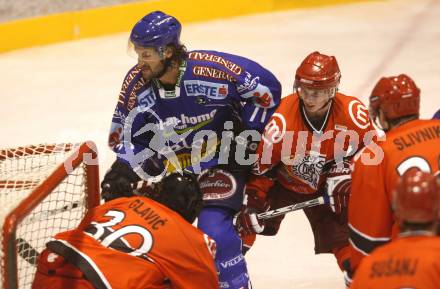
(396, 96)
(318, 71)
(417, 197)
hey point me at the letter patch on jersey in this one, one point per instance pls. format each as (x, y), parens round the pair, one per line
(147, 98)
(359, 114)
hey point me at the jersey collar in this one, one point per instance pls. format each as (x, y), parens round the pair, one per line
(167, 94)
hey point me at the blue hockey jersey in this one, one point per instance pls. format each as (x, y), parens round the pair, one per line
(212, 88)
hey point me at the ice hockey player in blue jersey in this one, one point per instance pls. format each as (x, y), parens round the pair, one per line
(197, 111)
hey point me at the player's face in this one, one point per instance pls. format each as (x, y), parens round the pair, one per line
(150, 62)
(316, 101)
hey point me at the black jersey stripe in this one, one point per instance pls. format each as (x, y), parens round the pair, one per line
(81, 261)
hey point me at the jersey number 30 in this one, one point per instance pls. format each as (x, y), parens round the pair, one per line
(114, 239)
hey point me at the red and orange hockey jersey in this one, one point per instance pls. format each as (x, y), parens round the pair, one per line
(371, 221)
(410, 262)
(138, 243)
(300, 151)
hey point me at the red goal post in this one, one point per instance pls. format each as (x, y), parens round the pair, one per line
(44, 189)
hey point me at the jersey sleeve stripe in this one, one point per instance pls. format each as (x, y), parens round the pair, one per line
(364, 243)
(81, 261)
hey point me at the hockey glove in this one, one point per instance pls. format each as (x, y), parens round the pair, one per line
(118, 181)
(246, 221)
(338, 186)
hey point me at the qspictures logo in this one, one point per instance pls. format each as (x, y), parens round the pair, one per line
(166, 135)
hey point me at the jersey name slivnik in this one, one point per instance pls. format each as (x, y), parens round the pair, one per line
(371, 221)
(410, 262)
(301, 157)
(138, 243)
(213, 87)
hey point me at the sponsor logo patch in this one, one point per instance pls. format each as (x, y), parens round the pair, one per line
(275, 129)
(217, 185)
(184, 122)
(212, 246)
(359, 114)
(139, 83)
(212, 73)
(209, 89)
(236, 69)
(308, 168)
(224, 284)
(232, 262)
(262, 96)
(147, 98)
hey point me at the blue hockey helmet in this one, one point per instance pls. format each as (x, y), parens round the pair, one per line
(437, 115)
(156, 29)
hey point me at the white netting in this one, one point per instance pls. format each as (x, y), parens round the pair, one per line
(21, 171)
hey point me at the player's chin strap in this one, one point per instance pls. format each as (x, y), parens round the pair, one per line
(378, 125)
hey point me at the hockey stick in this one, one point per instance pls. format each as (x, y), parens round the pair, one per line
(27, 252)
(295, 207)
(299, 206)
(45, 214)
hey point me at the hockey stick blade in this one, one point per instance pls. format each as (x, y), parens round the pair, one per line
(295, 207)
(27, 252)
(44, 215)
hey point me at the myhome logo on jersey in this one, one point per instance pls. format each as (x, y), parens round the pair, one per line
(186, 122)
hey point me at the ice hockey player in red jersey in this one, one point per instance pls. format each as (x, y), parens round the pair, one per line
(304, 153)
(135, 243)
(413, 259)
(410, 142)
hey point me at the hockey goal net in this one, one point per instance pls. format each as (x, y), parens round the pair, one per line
(44, 189)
